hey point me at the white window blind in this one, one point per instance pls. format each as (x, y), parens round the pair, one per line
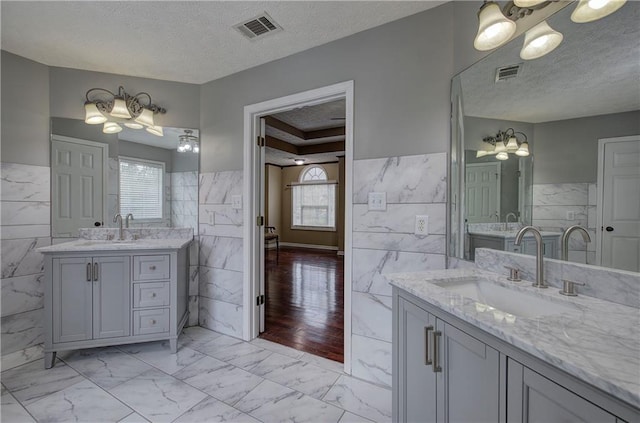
(314, 201)
(141, 188)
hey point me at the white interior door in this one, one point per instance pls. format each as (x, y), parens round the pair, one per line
(77, 186)
(620, 230)
(482, 191)
(260, 155)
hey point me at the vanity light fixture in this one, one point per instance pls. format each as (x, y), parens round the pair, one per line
(299, 161)
(503, 143)
(188, 142)
(592, 10)
(496, 27)
(540, 40)
(134, 111)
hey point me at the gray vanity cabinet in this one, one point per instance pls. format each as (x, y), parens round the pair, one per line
(91, 298)
(445, 375)
(536, 399)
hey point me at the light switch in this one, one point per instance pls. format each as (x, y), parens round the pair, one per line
(236, 201)
(422, 225)
(378, 201)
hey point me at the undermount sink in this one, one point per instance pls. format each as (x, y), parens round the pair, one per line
(490, 296)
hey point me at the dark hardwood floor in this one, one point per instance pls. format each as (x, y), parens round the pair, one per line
(304, 307)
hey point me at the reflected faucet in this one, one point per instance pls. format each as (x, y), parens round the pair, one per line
(540, 283)
(497, 216)
(506, 219)
(565, 239)
(118, 219)
(129, 216)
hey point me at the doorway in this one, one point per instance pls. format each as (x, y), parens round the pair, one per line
(254, 176)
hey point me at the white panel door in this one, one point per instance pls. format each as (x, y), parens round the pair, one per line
(77, 187)
(621, 205)
(482, 192)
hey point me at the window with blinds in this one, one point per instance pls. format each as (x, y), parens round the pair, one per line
(141, 188)
(314, 201)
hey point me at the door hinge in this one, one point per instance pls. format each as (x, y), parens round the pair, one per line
(260, 141)
(259, 300)
(260, 221)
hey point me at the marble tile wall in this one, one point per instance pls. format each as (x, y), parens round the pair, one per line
(220, 253)
(26, 206)
(551, 202)
(184, 199)
(618, 286)
(384, 242)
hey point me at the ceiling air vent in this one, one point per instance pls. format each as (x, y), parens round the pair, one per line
(258, 27)
(508, 72)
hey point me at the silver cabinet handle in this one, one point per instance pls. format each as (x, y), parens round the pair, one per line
(436, 352)
(427, 359)
(95, 271)
(153, 295)
(152, 268)
(153, 322)
(88, 272)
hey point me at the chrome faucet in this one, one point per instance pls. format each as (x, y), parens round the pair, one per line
(129, 216)
(506, 219)
(118, 219)
(497, 216)
(565, 239)
(540, 283)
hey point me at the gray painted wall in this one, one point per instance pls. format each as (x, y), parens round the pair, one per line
(402, 73)
(567, 150)
(76, 128)
(184, 162)
(25, 111)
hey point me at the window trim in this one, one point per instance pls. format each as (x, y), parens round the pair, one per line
(162, 191)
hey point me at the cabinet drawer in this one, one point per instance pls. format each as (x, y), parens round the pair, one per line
(150, 321)
(151, 294)
(148, 268)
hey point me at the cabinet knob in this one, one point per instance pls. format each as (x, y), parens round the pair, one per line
(152, 268)
(153, 295)
(153, 322)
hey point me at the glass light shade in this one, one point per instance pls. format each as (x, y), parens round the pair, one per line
(133, 125)
(92, 115)
(512, 144)
(540, 40)
(196, 147)
(494, 29)
(523, 151)
(488, 147)
(481, 153)
(528, 3)
(592, 10)
(145, 118)
(120, 109)
(155, 130)
(111, 128)
(298, 161)
(181, 148)
(500, 147)
(503, 155)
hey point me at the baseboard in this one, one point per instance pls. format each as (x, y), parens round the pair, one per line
(341, 253)
(311, 246)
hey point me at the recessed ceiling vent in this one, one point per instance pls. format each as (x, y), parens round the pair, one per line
(508, 72)
(258, 27)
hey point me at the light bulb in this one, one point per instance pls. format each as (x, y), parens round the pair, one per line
(111, 128)
(502, 155)
(196, 147)
(592, 10)
(299, 161)
(494, 29)
(540, 40)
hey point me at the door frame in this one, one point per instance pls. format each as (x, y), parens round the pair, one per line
(251, 173)
(602, 142)
(105, 171)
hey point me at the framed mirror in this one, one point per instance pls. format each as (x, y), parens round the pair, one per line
(569, 108)
(96, 175)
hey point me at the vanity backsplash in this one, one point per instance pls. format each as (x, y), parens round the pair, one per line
(105, 234)
(618, 286)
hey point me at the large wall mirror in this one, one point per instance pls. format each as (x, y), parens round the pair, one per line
(96, 175)
(573, 119)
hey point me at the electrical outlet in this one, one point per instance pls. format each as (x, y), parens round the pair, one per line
(378, 201)
(422, 225)
(571, 215)
(236, 201)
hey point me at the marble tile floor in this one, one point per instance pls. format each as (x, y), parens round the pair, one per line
(212, 378)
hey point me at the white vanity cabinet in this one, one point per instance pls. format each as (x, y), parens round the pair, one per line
(100, 298)
(447, 370)
(443, 374)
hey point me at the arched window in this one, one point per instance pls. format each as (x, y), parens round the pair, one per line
(314, 200)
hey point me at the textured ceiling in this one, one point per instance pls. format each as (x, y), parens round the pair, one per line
(182, 41)
(596, 70)
(311, 118)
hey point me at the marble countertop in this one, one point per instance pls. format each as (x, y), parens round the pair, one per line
(89, 245)
(597, 341)
(511, 234)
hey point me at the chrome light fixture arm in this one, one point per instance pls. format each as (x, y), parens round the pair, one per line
(134, 103)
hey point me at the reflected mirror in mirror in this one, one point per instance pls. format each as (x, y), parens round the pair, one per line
(96, 175)
(578, 109)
